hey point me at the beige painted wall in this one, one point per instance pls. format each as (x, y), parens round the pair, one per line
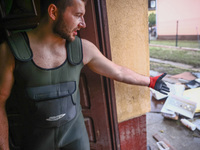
(128, 29)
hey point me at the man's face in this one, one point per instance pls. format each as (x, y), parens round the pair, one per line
(70, 21)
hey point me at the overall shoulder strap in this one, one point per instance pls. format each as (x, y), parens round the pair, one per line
(19, 47)
(75, 52)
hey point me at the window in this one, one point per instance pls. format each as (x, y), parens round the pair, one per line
(153, 4)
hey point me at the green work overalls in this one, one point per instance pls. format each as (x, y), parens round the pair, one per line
(44, 111)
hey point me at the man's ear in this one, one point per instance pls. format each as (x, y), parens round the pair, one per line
(53, 11)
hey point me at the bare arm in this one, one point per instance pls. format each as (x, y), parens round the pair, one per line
(101, 65)
(6, 82)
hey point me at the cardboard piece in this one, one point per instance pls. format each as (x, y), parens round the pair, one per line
(185, 75)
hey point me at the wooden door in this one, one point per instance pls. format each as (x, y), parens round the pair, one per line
(97, 96)
(97, 92)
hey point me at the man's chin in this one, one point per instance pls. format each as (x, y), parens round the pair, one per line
(72, 38)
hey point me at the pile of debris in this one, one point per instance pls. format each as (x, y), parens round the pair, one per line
(183, 101)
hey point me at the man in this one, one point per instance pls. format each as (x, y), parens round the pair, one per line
(39, 75)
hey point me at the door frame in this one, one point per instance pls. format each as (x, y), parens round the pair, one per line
(104, 39)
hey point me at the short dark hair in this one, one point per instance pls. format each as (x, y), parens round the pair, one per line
(61, 4)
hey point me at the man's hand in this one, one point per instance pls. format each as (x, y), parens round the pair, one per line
(157, 84)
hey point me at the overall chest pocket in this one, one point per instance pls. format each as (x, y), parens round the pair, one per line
(53, 105)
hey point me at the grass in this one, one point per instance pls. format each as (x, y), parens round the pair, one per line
(174, 55)
(181, 43)
(181, 56)
(172, 70)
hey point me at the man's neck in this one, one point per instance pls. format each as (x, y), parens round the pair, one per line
(48, 49)
(43, 34)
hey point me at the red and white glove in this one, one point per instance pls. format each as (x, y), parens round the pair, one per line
(157, 84)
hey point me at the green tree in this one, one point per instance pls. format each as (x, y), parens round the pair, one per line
(152, 19)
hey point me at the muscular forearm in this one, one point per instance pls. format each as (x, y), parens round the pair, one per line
(3, 129)
(130, 77)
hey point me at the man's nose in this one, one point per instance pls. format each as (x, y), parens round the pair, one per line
(82, 24)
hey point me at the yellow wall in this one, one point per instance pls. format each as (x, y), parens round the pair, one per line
(128, 29)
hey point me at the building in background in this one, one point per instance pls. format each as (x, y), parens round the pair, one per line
(179, 18)
(152, 17)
